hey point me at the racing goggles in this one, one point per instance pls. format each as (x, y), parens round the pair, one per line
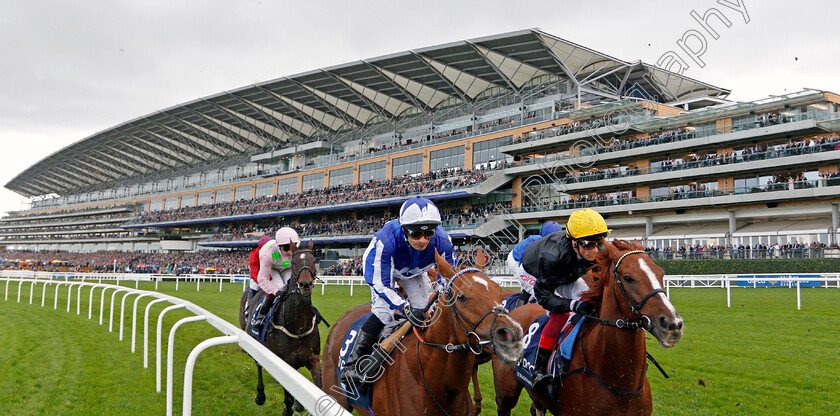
(417, 231)
(590, 244)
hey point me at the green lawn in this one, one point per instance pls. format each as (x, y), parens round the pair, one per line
(760, 357)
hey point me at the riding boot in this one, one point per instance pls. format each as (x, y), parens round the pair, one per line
(259, 319)
(362, 348)
(248, 302)
(541, 378)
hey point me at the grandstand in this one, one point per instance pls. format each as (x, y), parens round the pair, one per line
(503, 132)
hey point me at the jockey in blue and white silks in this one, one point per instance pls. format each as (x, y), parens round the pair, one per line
(390, 258)
(403, 250)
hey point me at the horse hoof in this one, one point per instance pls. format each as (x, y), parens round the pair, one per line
(288, 412)
(260, 399)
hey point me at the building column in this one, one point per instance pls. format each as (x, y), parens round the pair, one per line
(732, 227)
(835, 223)
(648, 228)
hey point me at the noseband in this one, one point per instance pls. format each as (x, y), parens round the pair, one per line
(643, 320)
(461, 319)
(296, 273)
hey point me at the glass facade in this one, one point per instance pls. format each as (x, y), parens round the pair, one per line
(488, 151)
(408, 165)
(452, 157)
(313, 181)
(223, 195)
(287, 186)
(205, 198)
(264, 189)
(342, 176)
(243, 192)
(372, 172)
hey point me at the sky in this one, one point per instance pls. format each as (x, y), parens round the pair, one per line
(72, 69)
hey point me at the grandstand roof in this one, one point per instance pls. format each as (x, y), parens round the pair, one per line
(331, 103)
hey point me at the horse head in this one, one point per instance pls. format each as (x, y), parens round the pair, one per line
(303, 269)
(628, 274)
(476, 317)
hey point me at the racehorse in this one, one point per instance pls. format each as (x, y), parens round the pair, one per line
(430, 373)
(292, 332)
(607, 371)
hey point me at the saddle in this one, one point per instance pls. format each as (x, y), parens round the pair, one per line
(260, 333)
(559, 362)
(362, 394)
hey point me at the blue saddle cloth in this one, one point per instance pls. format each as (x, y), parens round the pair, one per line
(509, 302)
(358, 395)
(525, 367)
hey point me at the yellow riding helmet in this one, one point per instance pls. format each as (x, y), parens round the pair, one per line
(586, 223)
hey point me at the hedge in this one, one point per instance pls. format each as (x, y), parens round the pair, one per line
(750, 266)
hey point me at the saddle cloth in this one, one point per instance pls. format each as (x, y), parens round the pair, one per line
(361, 395)
(565, 344)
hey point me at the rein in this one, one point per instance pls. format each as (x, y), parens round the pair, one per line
(644, 323)
(296, 290)
(465, 346)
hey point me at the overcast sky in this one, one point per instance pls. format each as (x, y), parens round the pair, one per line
(71, 69)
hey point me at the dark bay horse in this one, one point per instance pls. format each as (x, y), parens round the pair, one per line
(426, 377)
(626, 287)
(292, 333)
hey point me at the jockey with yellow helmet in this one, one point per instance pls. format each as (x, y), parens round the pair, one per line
(558, 261)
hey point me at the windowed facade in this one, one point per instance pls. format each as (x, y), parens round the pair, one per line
(408, 165)
(287, 186)
(205, 198)
(313, 181)
(264, 189)
(243, 192)
(342, 176)
(452, 157)
(223, 195)
(171, 202)
(488, 151)
(372, 172)
(156, 205)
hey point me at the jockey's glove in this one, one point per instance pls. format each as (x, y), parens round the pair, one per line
(416, 316)
(582, 307)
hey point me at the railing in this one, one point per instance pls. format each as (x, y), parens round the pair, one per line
(311, 397)
(728, 281)
(717, 161)
(744, 253)
(674, 195)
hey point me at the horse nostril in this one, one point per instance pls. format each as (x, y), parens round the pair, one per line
(680, 324)
(663, 322)
(504, 334)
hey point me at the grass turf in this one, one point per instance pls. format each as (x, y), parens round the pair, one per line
(762, 356)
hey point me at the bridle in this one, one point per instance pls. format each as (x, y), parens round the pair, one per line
(643, 321)
(294, 289)
(455, 315)
(459, 317)
(296, 273)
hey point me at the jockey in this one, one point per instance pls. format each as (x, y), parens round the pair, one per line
(275, 269)
(514, 263)
(254, 266)
(558, 261)
(404, 250)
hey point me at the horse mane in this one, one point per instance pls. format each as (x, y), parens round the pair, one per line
(598, 275)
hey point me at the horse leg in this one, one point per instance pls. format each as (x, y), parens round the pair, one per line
(260, 399)
(314, 367)
(288, 403)
(476, 392)
(507, 388)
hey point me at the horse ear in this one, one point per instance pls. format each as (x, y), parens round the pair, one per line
(310, 245)
(638, 245)
(293, 246)
(444, 268)
(611, 250)
(481, 260)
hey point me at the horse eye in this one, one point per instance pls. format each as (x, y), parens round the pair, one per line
(461, 297)
(628, 278)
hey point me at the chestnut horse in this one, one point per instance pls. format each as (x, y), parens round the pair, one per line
(430, 373)
(292, 333)
(607, 372)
